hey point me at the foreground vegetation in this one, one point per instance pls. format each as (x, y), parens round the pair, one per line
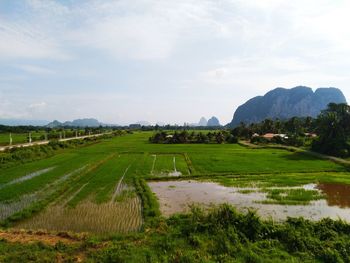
(222, 235)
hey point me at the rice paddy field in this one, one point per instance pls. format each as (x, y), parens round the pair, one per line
(112, 186)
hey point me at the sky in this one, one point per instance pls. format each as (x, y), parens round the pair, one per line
(124, 61)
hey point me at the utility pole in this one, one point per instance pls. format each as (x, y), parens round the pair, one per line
(45, 136)
(10, 139)
(76, 134)
(30, 137)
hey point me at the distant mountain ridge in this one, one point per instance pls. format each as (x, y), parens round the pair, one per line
(284, 103)
(22, 122)
(87, 122)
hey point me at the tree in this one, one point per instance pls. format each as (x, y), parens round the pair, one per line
(219, 138)
(333, 127)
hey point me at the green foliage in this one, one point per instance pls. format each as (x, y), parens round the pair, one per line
(192, 137)
(223, 235)
(334, 130)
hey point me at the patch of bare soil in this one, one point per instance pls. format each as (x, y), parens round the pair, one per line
(27, 236)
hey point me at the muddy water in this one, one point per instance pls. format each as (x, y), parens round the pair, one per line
(337, 194)
(176, 196)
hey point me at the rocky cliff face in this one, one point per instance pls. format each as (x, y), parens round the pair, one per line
(286, 103)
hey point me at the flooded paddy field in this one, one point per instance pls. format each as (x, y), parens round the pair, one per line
(315, 201)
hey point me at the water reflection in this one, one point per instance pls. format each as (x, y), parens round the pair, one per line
(336, 194)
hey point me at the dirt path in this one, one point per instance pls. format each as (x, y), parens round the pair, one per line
(3, 148)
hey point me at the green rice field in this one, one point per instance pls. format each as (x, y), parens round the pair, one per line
(101, 188)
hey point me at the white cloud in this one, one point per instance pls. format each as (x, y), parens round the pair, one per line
(145, 29)
(21, 41)
(35, 69)
(37, 106)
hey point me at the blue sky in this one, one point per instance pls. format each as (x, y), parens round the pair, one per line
(170, 61)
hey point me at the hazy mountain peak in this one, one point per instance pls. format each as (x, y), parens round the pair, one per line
(202, 122)
(213, 121)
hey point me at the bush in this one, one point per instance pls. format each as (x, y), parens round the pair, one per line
(259, 139)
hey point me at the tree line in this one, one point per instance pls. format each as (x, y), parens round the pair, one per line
(185, 136)
(332, 127)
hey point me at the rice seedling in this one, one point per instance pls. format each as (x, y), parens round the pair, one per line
(294, 196)
(87, 216)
